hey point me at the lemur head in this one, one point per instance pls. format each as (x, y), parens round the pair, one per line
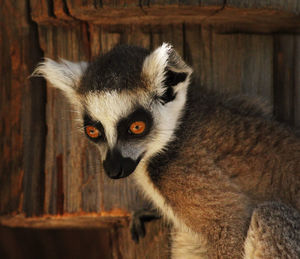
(130, 100)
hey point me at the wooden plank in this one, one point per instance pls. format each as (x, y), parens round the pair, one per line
(119, 3)
(144, 15)
(238, 63)
(172, 33)
(90, 242)
(21, 113)
(34, 136)
(162, 2)
(49, 12)
(83, 4)
(283, 5)
(104, 38)
(65, 162)
(285, 79)
(46, 7)
(56, 243)
(61, 11)
(67, 221)
(253, 20)
(138, 36)
(229, 16)
(91, 182)
(136, 12)
(40, 9)
(247, 56)
(94, 5)
(297, 81)
(219, 3)
(11, 171)
(194, 52)
(241, 63)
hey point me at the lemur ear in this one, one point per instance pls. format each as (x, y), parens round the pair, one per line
(166, 72)
(64, 75)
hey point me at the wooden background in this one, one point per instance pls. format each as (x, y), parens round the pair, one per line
(50, 175)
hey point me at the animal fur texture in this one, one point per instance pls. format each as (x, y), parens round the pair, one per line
(219, 168)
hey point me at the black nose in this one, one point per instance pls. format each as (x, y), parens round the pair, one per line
(116, 166)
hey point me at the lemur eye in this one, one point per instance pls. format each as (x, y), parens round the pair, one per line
(137, 127)
(92, 132)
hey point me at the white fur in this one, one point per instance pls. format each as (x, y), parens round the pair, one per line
(154, 67)
(250, 246)
(64, 75)
(187, 245)
(167, 118)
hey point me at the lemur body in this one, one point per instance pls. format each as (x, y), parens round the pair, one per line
(214, 166)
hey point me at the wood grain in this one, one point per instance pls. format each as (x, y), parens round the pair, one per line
(109, 242)
(225, 62)
(289, 5)
(20, 243)
(224, 16)
(297, 82)
(65, 156)
(22, 112)
(67, 221)
(286, 78)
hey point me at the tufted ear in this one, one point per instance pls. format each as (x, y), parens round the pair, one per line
(166, 72)
(64, 75)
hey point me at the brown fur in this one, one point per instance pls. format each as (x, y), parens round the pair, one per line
(230, 160)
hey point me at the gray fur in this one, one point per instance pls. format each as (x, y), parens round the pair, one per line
(274, 232)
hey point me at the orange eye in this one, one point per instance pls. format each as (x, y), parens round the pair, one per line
(92, 131)
(138, 127)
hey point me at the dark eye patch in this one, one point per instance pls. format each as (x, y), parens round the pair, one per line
(88, 121)
(138, 115)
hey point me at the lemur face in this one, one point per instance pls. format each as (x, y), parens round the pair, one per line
(122, 126)
(130, 101)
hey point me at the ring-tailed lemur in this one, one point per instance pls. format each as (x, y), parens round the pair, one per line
(220, 169)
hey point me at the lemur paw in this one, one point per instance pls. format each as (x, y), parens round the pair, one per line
(137, 224)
